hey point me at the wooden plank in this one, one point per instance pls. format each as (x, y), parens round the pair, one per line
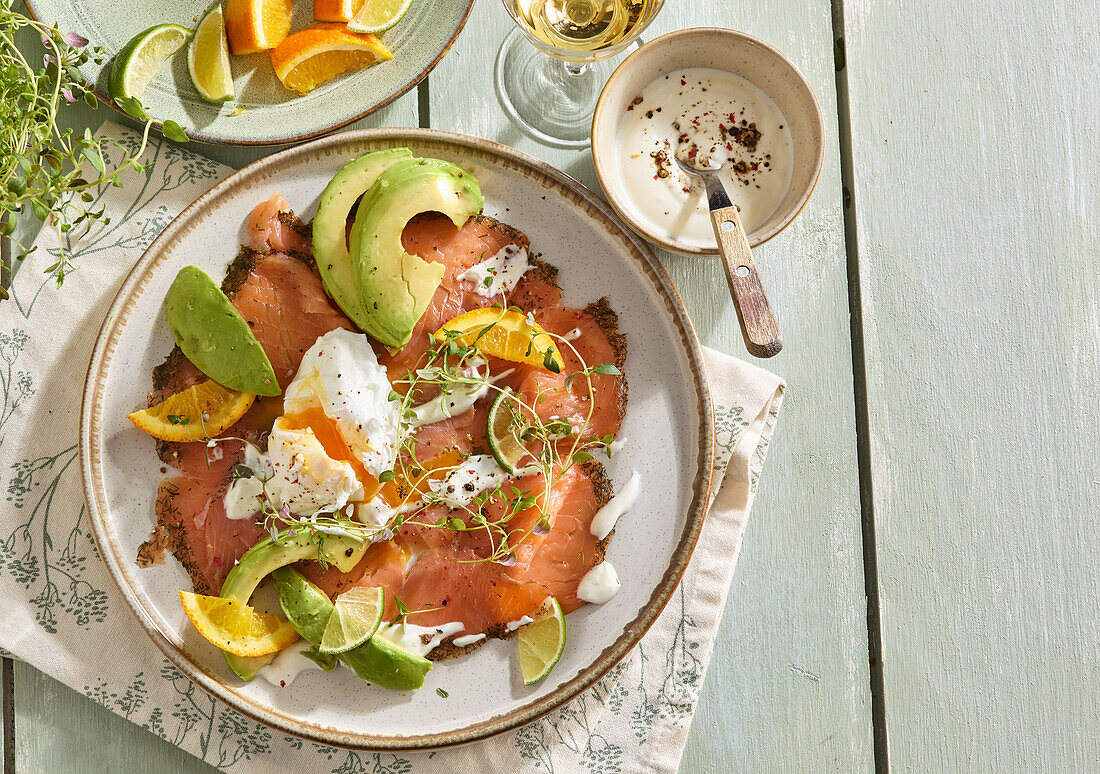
(787, 689)
(60, 731)
(975, 128)
(7, 740)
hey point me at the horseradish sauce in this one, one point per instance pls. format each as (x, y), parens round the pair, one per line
(709, 117)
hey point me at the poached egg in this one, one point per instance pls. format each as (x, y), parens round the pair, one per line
(334, 439)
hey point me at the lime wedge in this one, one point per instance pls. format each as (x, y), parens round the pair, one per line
(141, 59)
(354, 620)
(208, 58)
(541, 643)
(378, 15)
(503, 443)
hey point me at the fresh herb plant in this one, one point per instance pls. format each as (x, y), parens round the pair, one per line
(48, 172)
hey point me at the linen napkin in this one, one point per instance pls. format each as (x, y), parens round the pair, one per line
(60, 597)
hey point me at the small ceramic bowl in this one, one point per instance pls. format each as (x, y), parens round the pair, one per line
(737, 53)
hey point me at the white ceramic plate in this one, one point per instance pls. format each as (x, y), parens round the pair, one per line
(668, 423)
(272, 115)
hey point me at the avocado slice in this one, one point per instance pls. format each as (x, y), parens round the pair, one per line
(377, 660)
(214, 336)
(269, 555)
(394, 287)
(385, 664)
(330, 242)
(307, 607)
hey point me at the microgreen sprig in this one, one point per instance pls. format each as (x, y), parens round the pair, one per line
(554, 444)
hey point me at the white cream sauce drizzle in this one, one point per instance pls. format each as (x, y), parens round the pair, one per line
(476, 474)
(468, 639)
(599, 584)
(411, 637)
(288, 664)
(500, 273)
(616, 446)
(606, 517)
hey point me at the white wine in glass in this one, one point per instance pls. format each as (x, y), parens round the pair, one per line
(552, 94)
(580, 25)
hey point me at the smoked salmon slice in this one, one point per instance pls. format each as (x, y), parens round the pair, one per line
(441, 575)
(281, 298)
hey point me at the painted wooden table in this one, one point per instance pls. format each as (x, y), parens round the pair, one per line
(919, 587)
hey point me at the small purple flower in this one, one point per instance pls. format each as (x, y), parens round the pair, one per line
(508, 559)
(542, 526)
(68, 95)
(381, 535)
(74, 39)
(47, 60)
(284, 512)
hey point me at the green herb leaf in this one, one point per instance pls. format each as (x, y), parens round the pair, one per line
(132, 107)
(173, 131)
(386, 475)
(608, 369)
(442, 693)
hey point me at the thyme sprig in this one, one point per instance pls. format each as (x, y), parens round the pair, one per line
(46, 172)
(554, 445)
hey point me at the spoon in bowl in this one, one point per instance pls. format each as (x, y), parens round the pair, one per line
(759, 325)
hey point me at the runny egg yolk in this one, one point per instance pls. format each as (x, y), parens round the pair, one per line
(328, 435)
(401, 489)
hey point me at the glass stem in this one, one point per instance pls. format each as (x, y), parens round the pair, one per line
(575, 68)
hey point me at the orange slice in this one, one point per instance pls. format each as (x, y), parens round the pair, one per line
(236, 627)
(316, 54)
(200, 412)
(252, 26)
(505, 334)
(336, 10)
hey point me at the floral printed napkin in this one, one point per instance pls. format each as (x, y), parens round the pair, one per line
(60, 597)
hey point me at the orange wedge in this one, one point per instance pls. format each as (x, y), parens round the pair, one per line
(200, 412)
(505, 334)
(252, 26)
(312, 56)
(336, 10)
(236, 627)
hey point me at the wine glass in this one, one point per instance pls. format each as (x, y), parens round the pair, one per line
(551, 89)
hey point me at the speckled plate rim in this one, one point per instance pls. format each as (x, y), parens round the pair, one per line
(92, 430)
(210, 139)
(639, 226)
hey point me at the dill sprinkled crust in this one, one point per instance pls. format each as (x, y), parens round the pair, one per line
(605, 317)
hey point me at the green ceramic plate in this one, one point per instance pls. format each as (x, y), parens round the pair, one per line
(272, 115)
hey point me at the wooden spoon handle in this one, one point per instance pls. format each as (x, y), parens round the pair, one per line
(759, 325)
